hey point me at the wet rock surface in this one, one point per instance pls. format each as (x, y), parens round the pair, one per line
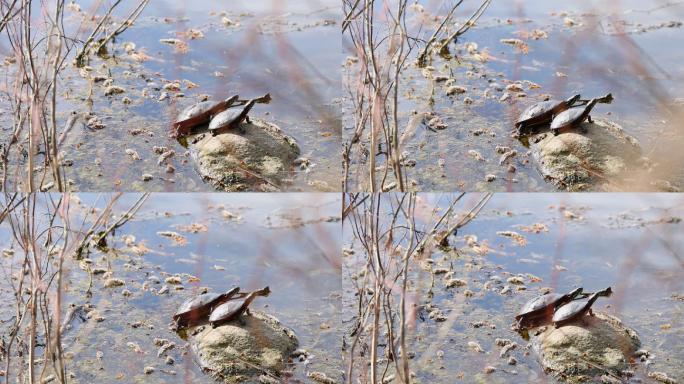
(251, 352)
(261, 158)
(592, 347)
(599, 159)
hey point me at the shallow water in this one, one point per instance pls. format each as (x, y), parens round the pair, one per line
(640, 69)
(289, 242)
(628, 242)
(286, 50)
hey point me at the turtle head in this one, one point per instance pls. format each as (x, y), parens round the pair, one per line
(606, 292)
(264, 291)
(574, 293)
(572, 100)
(232, 100)
(607, 99)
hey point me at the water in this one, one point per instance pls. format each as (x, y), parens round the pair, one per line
(285, 49)
(627, 241)
(289, 242)
(640, 69)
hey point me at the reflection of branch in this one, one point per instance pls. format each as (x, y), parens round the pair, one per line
(442, 240)
(91, 233)
(423, 54)
(385, 225)
(125, 24)
(466, 26)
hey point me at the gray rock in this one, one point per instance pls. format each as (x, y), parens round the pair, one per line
(594, 346)
(259, 159)
(574, 161)
(237, 353)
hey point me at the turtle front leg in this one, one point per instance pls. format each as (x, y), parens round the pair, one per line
(589, 119)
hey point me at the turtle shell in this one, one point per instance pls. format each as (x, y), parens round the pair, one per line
(227, 311)
(567, 117)
(225, 118)
(197, 110)
(204, 300)
(568, 311)
(537, 110)
(539, 303)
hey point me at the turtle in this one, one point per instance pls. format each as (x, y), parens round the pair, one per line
(194, 311)
(543, 112)
(575, 310)
(540, 309)
(232, 310)
(231, 118)
(575, 116)
(201, 113)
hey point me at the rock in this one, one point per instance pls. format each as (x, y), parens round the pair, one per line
(320, 377)
(576, 351)
(455, 90)
(475, 155)
(575, 161)
(453, 283)
(475, 346)
(113, 90)
(507, 348)
(175, 280)
(661, 377)
(149, 370)
(259, 159)
(111, 283)
(235, 353)
(515, 87)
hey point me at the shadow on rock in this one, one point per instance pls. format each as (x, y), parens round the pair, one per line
(254, 350)
(259, 159)
(603, 158)
(596, 346)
